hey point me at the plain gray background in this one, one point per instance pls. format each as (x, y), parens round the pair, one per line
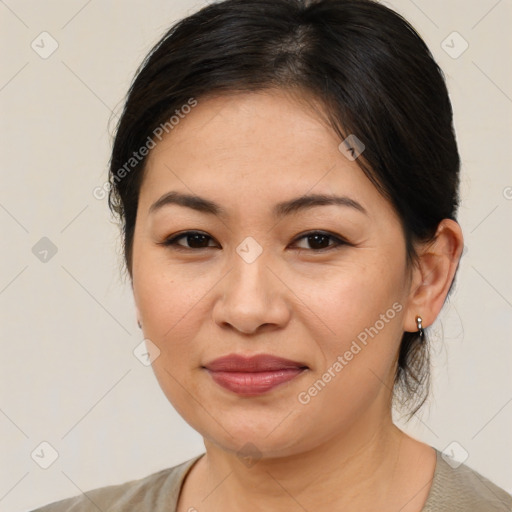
(68, 373)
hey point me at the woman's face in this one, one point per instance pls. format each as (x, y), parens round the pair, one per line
(254, 283)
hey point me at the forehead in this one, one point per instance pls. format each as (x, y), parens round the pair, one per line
(260, 125)
(254, 148)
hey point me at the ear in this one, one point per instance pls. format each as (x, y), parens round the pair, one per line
(433, 274)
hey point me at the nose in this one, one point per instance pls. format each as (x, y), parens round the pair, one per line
(252, 298)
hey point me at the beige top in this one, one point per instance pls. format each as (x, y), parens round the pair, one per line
(459, 489)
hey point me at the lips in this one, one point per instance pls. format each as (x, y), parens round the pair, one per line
(258, 363)
(251, 376)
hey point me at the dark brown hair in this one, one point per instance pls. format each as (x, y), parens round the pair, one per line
(362, 61)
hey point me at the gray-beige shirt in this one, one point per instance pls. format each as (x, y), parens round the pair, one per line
(454, 489)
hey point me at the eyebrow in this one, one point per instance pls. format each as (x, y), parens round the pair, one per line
(282, 209)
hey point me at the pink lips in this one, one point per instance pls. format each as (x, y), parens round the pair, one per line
(250, 376)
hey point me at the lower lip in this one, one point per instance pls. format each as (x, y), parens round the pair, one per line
(255, 383)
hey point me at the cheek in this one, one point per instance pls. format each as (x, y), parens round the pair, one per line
(359, 353)
(171, 310)
(168, 296)
(350, 301)
(173, 302)
(361, 321)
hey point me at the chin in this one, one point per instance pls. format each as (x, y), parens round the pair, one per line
(269, 439)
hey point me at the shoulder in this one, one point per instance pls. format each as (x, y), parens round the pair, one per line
(458, 488)
(156, 492)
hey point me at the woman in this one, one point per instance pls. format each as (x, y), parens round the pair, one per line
(286, 174)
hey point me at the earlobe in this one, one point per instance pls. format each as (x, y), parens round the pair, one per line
(433, 274)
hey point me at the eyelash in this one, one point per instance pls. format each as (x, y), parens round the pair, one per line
(172, 241)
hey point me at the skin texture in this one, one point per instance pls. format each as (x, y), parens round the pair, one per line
(248, 152)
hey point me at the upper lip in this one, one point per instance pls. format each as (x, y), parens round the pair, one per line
(256, 363)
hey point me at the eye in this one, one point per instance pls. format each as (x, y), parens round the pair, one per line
(319, 241)
(194, 239)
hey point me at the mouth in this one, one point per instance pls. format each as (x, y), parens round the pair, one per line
(252, 376)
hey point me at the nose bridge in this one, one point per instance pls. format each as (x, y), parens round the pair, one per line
(252, 295)
(250, 281)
